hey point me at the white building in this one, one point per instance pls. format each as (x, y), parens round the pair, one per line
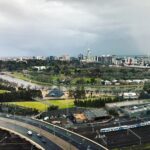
(130, 95)
(40, 68)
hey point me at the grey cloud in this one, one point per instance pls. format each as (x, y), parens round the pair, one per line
(34, 27)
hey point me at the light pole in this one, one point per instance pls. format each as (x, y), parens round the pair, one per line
(69, 140)
(3, 139)
(32, 147)
(14, 115)
(54, 130)
(92, 128)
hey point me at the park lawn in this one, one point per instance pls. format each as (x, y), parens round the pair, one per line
(21, 76)
(74, 80)
(3, 91)
(62, 104)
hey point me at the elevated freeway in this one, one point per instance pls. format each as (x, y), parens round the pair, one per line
(55, 137)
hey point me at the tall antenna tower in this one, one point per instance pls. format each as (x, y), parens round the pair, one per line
(89, 54)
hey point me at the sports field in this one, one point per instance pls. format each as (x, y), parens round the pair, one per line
(3, 91)
(42, 105)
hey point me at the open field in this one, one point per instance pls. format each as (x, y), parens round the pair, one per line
(3, 91)
(21, 76)
(134, 87)
(42, 106)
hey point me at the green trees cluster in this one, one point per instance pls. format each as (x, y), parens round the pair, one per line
(145, 94)
(79, 93)
(20, 65)
(52, 107)
(13, 109)
(7, 88)
(100, 102)
(20, 95)
(4, 85)
(147, 87)
(73, 69)
(17, 95)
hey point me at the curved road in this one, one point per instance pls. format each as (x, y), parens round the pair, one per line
(21, 129)
(56, 137)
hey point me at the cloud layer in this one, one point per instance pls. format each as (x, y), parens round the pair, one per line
(55, 27)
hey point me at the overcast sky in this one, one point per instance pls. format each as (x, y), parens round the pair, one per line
(56, 27)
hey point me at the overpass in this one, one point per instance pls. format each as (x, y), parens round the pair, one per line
(56, 137)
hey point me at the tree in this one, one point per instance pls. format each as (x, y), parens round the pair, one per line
(93, 80)
(147, 87)
(71, 93)
(52, 107)
(79, 93)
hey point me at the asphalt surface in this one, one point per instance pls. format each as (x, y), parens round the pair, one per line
(10, 141)
(23, 131)
(19, 82)
(80, 143)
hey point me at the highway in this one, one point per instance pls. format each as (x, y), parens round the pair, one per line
(18, 128)
(62, 138)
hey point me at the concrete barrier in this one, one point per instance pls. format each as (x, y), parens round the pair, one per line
(55, 126)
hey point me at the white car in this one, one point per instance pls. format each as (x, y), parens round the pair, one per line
(8, 115)
(39, 135)
(29, 132)
(46, 118)
(88, 147)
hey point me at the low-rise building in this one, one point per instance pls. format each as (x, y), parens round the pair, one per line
(40, 68)
(80, 118)
(137, 110)
(130, 95)
(96, 114)
(91, 115)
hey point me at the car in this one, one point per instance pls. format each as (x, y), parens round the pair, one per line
(8, 115)
(46, 118)
(29, 132)
(39, 135)
(44, 141)
(56, 122)
(88, 147)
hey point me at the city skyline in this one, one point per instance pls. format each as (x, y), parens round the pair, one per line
(54, 27)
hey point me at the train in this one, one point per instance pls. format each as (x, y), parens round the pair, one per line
(124, 127)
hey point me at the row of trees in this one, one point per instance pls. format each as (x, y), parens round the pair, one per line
(147, 87)
(7, 88)
(145, 94)
(100, 102)
(21, 95)
(75, 69)
(11, 109)
(4, 85)
(52, 107)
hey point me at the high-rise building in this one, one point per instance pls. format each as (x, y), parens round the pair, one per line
(80, 57)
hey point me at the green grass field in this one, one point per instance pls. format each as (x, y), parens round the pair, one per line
(62, 104)
(3, 91)
(21, 76)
